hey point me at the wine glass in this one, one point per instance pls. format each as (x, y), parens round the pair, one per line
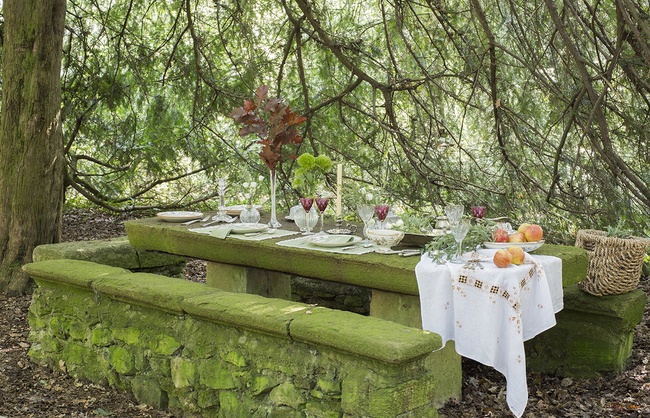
(382, 212)
(307, 203)
(321, 204)
(366, 211)
(459, 231)
(454, 214)
(478, 211)
(222, 215)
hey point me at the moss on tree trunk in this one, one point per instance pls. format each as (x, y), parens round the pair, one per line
(31, 140)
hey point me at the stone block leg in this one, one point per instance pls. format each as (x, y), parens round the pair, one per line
(239, 279)
(444, 363)
(593, 335)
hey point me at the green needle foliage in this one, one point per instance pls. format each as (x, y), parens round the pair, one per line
(445, 246)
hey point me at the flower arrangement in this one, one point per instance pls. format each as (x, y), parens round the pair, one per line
(250, 190)
(272, 120)
(309, 172)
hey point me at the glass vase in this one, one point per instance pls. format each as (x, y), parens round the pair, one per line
(306, 221)
(273, 223)
(250, 214)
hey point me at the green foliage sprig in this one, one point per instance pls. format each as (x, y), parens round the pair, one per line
(445, 246)
(619, 230)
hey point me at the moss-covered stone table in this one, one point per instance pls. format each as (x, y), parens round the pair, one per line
(389, 273)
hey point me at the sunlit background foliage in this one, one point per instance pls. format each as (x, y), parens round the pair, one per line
(430, 101)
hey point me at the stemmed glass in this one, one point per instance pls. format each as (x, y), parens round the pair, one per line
(478, 211)
(454, 214)
(221, 215)
(382, 213)
(366, 212)
(307, 203)
(321, 204)
(459, 231)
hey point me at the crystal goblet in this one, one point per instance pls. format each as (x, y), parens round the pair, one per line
(382, 213)
(321, 204)
(454, 214)
(478, 211)
(366, 212)
(459, 231)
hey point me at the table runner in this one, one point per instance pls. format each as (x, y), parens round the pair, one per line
(490, 312)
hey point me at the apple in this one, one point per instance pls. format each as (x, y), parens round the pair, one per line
(523, 227)
(502, 258)
(534, 233)
(517, 254)
(517, 237)
(500, 235)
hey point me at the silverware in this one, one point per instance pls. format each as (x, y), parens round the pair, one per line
(403, 253)
(216, 222)
(254, 234)
(207, 218)
(408, 253)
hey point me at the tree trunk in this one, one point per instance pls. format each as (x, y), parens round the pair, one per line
(31, 145)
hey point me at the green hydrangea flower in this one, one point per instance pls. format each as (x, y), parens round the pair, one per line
(323, 162)
(306, 161)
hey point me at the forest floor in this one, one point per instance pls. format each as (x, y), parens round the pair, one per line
(28, 390)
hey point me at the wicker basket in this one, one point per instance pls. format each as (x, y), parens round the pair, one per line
(614, 263)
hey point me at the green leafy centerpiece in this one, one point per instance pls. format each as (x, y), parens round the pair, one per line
(444, 247)
(272, 120)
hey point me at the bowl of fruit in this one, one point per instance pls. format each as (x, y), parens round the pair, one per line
(528, 237)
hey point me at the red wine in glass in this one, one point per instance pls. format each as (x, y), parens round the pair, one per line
(478, 211)
(307, 203)
(382, 212)
(321, 204)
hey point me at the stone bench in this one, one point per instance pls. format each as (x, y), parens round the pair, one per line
(187, 347)
(116, 252)
(593, 334)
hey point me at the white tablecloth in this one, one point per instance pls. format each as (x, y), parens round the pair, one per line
(490, 312)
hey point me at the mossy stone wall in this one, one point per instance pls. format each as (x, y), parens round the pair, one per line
(200, 351)
(593, 334)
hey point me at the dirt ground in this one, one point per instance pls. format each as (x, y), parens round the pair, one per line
(27, 390)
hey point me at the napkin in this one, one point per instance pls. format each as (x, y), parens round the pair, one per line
(221, 232)
(336, 239)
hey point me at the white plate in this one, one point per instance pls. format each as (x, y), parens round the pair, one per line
(236, 210)
(245, 228)
(526, 246)
(179, 216)
(333, 241)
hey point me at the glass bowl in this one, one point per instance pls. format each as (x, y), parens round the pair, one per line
(385, 238)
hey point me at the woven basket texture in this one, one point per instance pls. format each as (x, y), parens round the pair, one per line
(614, 263)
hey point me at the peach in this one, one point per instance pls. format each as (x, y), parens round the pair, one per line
(522, 227)
(500, 235)
(517, 237)
(502, 258)
(534, 233)
(517, 254)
